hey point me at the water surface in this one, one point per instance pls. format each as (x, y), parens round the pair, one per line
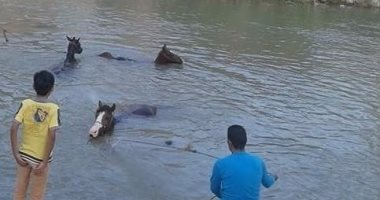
(303, 80)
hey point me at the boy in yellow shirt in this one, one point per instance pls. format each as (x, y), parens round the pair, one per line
(40, 120)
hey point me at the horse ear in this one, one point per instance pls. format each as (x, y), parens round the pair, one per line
(78, 39)
(100, 104)
(69, 39)
(113, 107)
(164, 47)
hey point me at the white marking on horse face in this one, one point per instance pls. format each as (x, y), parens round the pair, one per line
(94, 130)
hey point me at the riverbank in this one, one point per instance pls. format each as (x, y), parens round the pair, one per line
(355, 3)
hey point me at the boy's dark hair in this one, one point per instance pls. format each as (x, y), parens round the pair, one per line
(237, 135)
(43, 82)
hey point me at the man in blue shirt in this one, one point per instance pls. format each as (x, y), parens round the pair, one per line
(239, 175)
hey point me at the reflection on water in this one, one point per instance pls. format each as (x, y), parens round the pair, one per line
(303, 80)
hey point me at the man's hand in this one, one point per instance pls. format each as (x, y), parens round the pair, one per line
(275, 176)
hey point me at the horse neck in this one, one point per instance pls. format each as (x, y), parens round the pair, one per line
(113, 122)
(70, 55)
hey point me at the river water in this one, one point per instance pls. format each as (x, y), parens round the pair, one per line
(303, 80)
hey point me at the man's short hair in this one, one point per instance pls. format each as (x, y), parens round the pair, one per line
(237, 135)
(43, 82)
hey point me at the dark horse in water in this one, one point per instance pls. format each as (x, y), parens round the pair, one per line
(105, 119)
(167, 57)
(163, 57)
(73, 48)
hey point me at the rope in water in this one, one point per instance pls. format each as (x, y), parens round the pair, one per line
(172, 147)
(188, 149)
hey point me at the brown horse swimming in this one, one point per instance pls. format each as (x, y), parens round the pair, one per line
(167, 57)
(105, 119)
(163, 57)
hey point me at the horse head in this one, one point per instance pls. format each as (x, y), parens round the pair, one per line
(166, 57)
(104, 120)
(73, 48)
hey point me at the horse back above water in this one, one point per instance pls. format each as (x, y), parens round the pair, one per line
(74, 47)
(109, 56)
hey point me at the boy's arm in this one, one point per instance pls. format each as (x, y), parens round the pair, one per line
(13, 135)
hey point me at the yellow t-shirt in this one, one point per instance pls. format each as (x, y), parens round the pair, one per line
(36, 119)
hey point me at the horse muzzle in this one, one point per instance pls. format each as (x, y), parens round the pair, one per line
(94, 130)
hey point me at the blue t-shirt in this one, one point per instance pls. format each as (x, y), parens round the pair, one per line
(239, 177)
